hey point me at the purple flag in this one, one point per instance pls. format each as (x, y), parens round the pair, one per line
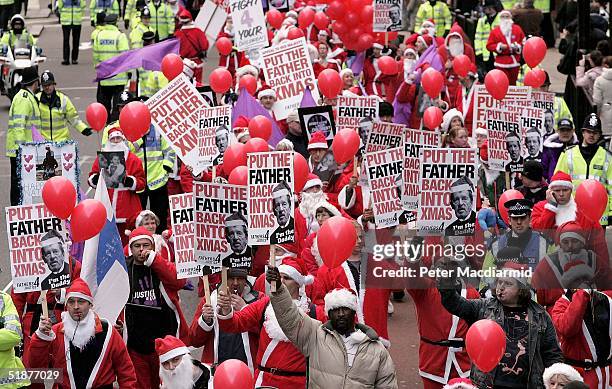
(431, 57)
(247, 106)
(36, 136)
(357, 64)
(148, 58)
(307, 100)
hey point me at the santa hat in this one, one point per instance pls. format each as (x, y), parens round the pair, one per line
(296, 271)
(346, 71)
(563, 369)
(376, 45)
(323, 32)
(241, 135)
(184, 16)
(246, 68)
(114, 132)
(141, 216)
(291, 14)
(312, 180)
(561, 179)
(140, 233)
(169, 347)
(571, 229)
(505, 13)
(481, 131)
(266, 91)
(341, 298)
(411, 49)
(426, 39)
(459, 383)
(428, 23)
(289, 21)
(289, 250)
(329, 208)
(317, 141)
(241, 122)
(484, 152)
(79, 289)
(448, 118)
(453, 34)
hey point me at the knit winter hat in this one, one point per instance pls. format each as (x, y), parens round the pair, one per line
(533, 170)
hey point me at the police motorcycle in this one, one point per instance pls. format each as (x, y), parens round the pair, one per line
(14, 60)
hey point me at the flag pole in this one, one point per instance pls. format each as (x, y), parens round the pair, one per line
(206, 288)
(45, 307)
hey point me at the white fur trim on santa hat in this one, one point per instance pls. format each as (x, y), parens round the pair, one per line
(175, 352)
(266, 92)
(459, 385)
(339, 298)
(346, 71)
(142, 215)
(317, 145)
(246, 69)
(377, 46)
(481, 131)
(582, 271)
(135, 238)
(562, 183)
(80, 296)
(563, 369)
(572, 234)
(296, 275)
(242, 135)
(329, 207)
(312, 182)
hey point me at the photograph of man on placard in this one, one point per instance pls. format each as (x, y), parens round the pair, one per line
(315, 119)
(112, 165)
(462, 202)
(236, 234)
(282, 207)
(53, 250)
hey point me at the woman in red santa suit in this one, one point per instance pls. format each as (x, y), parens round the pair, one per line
(374, 81)
(506, 43)
(453, 47)
(406, 87)
(582, 318)
(124, 199)
(348, 83)
(87, 349)
(324, 62)
(194, 43)
(150, 221)
(278, 363)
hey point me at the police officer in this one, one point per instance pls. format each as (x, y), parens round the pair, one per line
(57, 112)
(106, 6)
(490, 20)
(589, 160)
(162, 19)
(139, 29)
(10, 337)
(71, 17)
(18, 32)
(23, 114)
(142, 75)
(108, 43)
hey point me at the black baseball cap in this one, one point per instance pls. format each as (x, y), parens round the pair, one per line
(565, 123)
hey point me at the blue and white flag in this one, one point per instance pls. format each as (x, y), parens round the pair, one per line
(103, 266)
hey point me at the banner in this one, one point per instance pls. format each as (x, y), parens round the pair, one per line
(221, 225)
(215, 134)
(181, 216)
(414, 141)
(447, 202)
(483, 101)
(249, 24)
(385, 136)
(175, 114)
(357, 111)
(387, 15)
(504, 140)
(37, 162)
(270, 197)
(38, 254)
(288, 71)
(384, 172)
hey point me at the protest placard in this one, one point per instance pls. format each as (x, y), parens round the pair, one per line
(288, 71)
(504, 140)
(387, 15)
(40, 161)
(215, 134)
(546, 102)
(38, 255)
(270, 197)
(181, 215)
(385, 136)
(483, 101)
(112, 166)
(175, 114)
(532, 133)
(314, 119)
(357, 111)
(384, 172)
(447, 202)
(249, 24)
(414, 141)
(221, 225)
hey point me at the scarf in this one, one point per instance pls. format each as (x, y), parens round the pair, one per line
(271, 325)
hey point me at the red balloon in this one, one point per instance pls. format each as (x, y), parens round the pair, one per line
(249, 82)
(352, 18)
(234, 156)
(339, 27)
(96, 116)
(256, 145)
(224, 46)
(87, 220)
(171, 66)
(59, 196)
(220, 80)
(345, 145)
(300, 171)
(321, 21)
(275, 18)
(330, 83)
(387, 65)
(510, 194)
(461, 65)
(485, 343)
(295, 33)
(336, 9)
(234, 374)
(336, 239)
(135, 120)
(432, 117)
(354, 34)
(364, 42)
(534, 51)
(306, 17)
(535, 78)
(239, 176)
(433, 82)
(497, 84)
(260, 127)
(592, 199)
(367, 14)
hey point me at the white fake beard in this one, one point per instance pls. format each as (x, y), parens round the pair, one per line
(116, 147)
(431, 31)
(565, 258)
(271, 325)
(179, 378)
(491, 175)
(566, 213)
(85, 329)
(309, 202)
(408, 67)
(506, 27)
(455, 49)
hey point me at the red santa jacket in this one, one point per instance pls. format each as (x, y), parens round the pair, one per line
(113, 363)
(193, 43)
(354, 205)
(125, 201)
(576, 341)
(187, 177)
(376, 83)
(317, 67)
(464, 101)
(201, 334)
(506, 58)
(275, 350)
